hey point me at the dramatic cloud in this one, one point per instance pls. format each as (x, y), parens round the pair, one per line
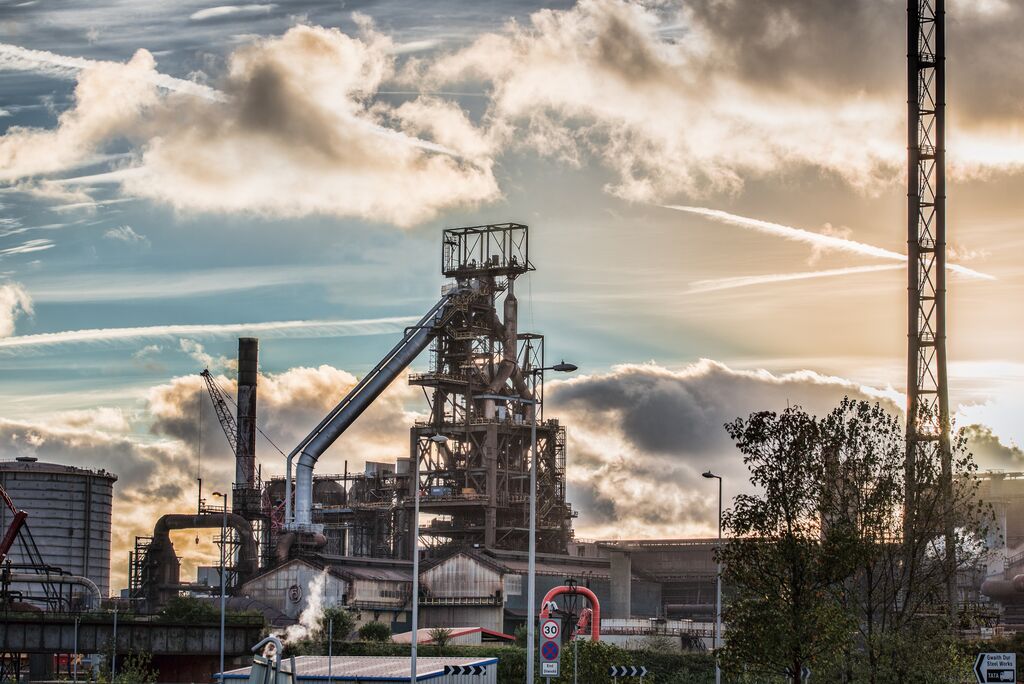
(14, 301)
(640, 436)
(293, 133)
(990, 452)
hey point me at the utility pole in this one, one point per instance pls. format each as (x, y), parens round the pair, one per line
(928, 421)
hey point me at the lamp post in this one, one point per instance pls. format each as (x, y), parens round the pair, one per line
(223, 544)
(531, 580)
(718, 582)
(439, 440)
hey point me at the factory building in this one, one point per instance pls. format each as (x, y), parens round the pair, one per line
(68, 516)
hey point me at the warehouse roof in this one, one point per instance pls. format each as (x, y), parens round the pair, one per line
(364, 668)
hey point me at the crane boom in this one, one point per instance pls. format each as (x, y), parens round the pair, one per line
(220, 406)
(15, 527)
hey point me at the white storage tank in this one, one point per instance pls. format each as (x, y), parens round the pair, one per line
(68, 513)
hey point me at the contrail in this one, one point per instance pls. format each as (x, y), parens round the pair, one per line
(814, 239)
(313, 328)
(15, 58)
(716, 284)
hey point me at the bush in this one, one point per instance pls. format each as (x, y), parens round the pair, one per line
(440, 637)
(375, 631)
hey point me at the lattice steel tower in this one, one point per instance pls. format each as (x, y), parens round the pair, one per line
(928, 422)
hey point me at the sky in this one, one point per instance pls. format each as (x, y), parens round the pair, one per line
(715, 191)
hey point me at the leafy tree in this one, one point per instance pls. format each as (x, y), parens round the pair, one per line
(521, 635)
(782, 616)
(336, 622)
(834, 563)
(375, 631)
(440, 637)
(189, 609)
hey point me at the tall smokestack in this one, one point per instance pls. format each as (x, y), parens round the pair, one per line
(248, 362)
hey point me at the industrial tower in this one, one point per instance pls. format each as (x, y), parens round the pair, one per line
(928, 421)
(482, 369)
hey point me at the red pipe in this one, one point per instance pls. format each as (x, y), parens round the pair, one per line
(595, 625)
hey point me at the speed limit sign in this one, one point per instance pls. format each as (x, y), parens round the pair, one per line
(550, 629)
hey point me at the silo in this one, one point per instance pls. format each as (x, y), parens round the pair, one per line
(68, 513)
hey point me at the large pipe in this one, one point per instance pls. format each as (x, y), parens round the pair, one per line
(249, 555)
(351, 407)
(47, 578)
(248, 370)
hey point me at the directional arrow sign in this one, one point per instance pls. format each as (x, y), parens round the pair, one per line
(464, 669)
(627, 671)
(996, 667)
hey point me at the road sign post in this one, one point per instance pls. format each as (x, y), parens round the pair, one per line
(996, 667)
(550, 647)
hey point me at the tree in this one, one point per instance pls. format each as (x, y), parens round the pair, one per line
(375, 631)
(135, 668)
(782, 616)
(825, 568)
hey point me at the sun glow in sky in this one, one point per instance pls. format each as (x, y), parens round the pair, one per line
(714, 191)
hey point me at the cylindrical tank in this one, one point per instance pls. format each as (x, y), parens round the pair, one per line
(68, 513)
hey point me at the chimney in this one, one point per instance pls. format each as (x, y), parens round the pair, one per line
(248, 362)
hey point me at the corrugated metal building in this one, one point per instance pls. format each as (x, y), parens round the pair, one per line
(68, 513)
(382, 669)
(377, 591)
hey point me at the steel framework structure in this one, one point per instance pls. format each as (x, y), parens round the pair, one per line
(928, 421)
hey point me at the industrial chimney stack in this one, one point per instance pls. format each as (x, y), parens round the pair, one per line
(245, 458)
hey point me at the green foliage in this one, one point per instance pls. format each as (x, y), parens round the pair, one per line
(829, 566)
(375, 631)
(135, 668)
(189, 610)
(337, 622)
(521, 634)
(440, 637)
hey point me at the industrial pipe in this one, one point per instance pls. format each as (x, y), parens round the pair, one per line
(249, 556)
(35, 578)
(352, 406)
(595, 625)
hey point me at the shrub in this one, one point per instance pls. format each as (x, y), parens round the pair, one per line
(375, 631)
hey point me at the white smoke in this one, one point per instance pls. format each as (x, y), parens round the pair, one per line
(312, 614)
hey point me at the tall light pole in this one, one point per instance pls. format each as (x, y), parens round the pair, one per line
(531, 580)
(718, 582)
(223, 544)
(439, 440)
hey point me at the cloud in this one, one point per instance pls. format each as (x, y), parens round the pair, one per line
(640, 435)
(231, 10)
(109, 99)
(28, 247)
(293, 132)
(14, 301)
(199, 355)
(655, 95)
(818, 241)
(126, 234)
(315, 328)
(990, 453)
(290, 404)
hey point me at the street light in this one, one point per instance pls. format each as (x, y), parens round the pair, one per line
(223, 544)
(439, 440)
(718, 582)
(531, 590)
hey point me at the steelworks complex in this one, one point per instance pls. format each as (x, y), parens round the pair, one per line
(356, 529)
